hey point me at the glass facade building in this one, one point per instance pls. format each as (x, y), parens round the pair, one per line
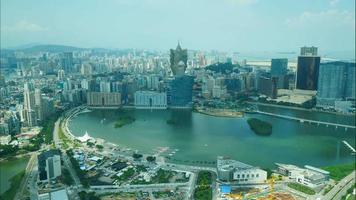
(336, 82)
(279, 69)
(308, 72)
(179, 91)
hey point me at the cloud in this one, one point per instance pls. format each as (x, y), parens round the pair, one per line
(329, 18)
(333, 2)
(24, 26)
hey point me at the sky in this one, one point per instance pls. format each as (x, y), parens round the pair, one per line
(227, 25)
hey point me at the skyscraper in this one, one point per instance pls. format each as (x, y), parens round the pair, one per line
(180, 91)
(336, 82)
(350, 88)
(279, 69)
(308, 69)
(178, 59)
(67, 61)
(29, 111)
(309, 51)
(49, 165)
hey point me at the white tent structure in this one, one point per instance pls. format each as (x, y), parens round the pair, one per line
(85, 137)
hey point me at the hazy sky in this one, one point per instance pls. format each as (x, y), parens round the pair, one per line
(232, 25)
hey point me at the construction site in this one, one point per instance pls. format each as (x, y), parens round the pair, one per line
(268, 193)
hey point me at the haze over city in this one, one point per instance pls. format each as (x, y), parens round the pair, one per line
(228, 25)
(177, 100)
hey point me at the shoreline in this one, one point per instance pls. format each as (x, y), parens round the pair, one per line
(221, 113)
(171, 159)
(301, 109)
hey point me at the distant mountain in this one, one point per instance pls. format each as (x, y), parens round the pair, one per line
(51, 48)
(24, 46)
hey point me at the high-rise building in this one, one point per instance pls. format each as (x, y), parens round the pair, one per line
(38, 106)
(153, 82)
(308, 69)
(180, 90)
(279, 69)
(29, 111)
(86, 69)
(309, 51)
(336, 83)
(350, 88)
(67, 61)
(61, 74)
(268, 86)
(104, 99)
(49, 165)
(105, 86)
(4, 128)
(178, 59)
(150, 100)
(47, 107)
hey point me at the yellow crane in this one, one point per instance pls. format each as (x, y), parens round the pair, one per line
(271, 182)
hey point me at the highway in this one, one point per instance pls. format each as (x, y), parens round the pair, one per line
(28, 171)
(340, 189)
(135, 188)
(65, 158)
(306, 120)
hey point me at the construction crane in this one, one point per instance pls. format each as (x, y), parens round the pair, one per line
(271, 182)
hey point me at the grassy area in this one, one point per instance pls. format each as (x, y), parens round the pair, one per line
(66, 177)
(163, 194)
(88, 196)
(349, 195)
(260, 127)
(203, 190)
(163, 176)
(327, 189)
(15, 183)
(301, 188)
(63, 138)
(338, 172)
(126, 175)
(124, 120)
(204, 178)
(80, 173)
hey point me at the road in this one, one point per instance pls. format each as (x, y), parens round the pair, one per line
(307, 120)
(65, 158)
(135, 188)
(340, 189)
(28, 171)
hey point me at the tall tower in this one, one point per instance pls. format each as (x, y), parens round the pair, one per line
(308, 69)
(29, 105)
(178, 59)
(67, 61)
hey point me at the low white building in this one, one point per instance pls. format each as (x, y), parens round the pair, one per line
(56, 195)
(150, 100)
(308, 176)
(234, 171)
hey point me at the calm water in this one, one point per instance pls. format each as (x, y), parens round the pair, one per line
(202, 138)
(9, 169)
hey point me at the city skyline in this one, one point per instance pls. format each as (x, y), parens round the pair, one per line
(139, 24)
(177, 100)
